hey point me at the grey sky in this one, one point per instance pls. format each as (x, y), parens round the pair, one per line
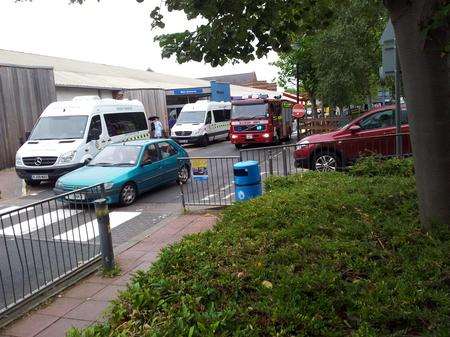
(112, 32)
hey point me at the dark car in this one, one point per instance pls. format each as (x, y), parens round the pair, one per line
(374, 133)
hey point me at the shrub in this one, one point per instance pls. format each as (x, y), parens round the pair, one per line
(320, 255)
(376, 166)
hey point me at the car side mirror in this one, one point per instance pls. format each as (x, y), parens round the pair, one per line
(27, 135)
(354, 128)
(94, 134)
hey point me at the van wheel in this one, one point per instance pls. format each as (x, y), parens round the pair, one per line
(183, 175)
(128, 194)
(205, 140)
(326, 162)
(30, 182)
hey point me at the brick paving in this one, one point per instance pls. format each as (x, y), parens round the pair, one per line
(85, 303)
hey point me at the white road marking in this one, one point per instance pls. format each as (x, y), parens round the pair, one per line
(228, 196)
(226, 187)
(208, 197)
(90, 230)
(34, 224)
(8, 209)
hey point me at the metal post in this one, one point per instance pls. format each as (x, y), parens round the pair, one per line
(297, 74)
(183, 202)
(106, 247)
(398, 137)
(270, 163)
(285, 169)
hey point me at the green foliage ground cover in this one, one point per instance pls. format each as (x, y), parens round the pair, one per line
(319, 255)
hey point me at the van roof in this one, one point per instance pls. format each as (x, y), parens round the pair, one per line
(88, 105)
(202, 104)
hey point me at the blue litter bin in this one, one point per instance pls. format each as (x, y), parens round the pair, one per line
(247, 180)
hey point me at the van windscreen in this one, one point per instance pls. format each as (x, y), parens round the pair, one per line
(59, 127)
(191, 117)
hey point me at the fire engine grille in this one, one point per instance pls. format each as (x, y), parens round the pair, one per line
(39, 161)
(242, 128)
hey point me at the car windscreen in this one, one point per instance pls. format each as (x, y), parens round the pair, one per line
(191, 117)
(117, 155)
(59, 127)
(249, 111)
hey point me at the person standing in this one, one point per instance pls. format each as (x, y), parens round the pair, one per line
(151, 120)
(158, 128)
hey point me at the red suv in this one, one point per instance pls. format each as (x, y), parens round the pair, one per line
(372, 133)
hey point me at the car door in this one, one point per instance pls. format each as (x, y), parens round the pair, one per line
(150, 170)
(209, 124)
(96, 137)
(377, 134)
(169, 163)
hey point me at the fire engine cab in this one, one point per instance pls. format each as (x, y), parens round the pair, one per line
(260, 121)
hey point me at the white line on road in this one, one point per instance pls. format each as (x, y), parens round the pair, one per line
(226, 187)
(8, 209)
(228, 196)
(90, 230)
(34, 224)
(208, 197)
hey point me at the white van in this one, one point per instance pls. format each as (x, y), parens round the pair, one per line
(202, 122)
(69, 134)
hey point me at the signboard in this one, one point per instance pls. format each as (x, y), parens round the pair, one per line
(189, 91)
(200, 169)
(298, 110)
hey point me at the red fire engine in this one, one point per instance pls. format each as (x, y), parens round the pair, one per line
(260, 121)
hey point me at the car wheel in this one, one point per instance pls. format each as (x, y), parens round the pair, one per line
(32, 182)
(128, 194)
(205, 140)
(326, 162)
(183, 175)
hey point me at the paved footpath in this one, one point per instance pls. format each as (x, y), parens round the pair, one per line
(84, 303)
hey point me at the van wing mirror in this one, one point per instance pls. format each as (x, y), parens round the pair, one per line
(94, 134)
(354, 128)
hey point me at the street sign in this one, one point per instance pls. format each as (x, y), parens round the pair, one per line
(298, 110)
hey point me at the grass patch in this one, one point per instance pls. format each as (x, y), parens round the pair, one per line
(319, 255)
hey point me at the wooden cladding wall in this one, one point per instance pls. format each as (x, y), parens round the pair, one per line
(24, 94)
(154, 101)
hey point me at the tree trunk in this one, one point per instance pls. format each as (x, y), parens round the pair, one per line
(314, 105)
(426, 85)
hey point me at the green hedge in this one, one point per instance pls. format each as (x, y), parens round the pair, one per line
(320, 255)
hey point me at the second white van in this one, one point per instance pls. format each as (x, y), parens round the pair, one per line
(202, 122)
(69, 134)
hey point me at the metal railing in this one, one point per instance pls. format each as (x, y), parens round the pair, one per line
(44, 242)
(211, 182)
(325, 156)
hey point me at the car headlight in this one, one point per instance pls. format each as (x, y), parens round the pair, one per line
(19, 161)
(67, 157)
(302, 144)
(108, 186)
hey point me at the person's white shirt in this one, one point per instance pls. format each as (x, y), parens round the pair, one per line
(158, 129)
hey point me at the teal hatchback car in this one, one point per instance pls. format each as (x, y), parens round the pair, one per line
(129, 169)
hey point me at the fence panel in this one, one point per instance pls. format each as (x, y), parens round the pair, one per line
(43, 242)
(211, 182)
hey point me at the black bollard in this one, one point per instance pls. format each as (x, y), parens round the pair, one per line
(106, 247)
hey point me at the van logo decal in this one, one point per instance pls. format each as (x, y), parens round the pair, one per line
(38, 161)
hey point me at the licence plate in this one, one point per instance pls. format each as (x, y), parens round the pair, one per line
(182, 141)
(249, 136)
(39, 177)
(76, 196)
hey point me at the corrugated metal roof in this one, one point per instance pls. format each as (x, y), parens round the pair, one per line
(238, 79)
(74, 73)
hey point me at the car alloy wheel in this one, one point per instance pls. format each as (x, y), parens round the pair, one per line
(128, 194)
(326, 163)
(183, 175)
